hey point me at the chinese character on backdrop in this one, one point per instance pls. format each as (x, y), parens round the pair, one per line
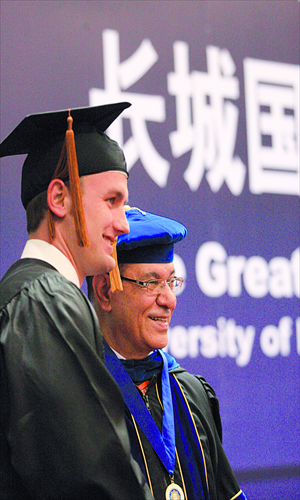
(272, 112)
(118, 77)
(207, 97)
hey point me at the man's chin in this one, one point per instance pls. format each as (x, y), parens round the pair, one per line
(161, 341)
(109, 263)
(105, 264)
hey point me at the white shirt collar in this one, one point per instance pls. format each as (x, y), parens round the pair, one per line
(39, 249)
(119, 356)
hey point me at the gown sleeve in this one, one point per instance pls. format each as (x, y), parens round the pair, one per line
(205, 409)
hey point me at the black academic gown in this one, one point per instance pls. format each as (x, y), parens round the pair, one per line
(63, 432)
(204, 406)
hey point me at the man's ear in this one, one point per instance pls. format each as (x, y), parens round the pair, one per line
(57, 195)
(102, 291)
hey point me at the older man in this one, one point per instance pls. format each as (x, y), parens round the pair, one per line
(63, 432)
(172, 416)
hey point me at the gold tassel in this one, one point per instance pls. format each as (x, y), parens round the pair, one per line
(51, 227)
(81, 232)
(67, 164)
(115, 278)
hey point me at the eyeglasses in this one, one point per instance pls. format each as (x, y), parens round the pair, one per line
(155, 287)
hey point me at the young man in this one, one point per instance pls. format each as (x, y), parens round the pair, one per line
(63, 432)
(172, 416)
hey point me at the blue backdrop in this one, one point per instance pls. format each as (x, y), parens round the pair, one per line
(212, 140)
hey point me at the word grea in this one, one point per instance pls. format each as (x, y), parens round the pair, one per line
(217, 273)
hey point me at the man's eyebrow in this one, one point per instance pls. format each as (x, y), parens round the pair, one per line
(117, 194)
(154, 275)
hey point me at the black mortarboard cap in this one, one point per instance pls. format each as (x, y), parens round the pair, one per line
(41, 136)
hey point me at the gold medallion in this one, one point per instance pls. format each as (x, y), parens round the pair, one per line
(174, 492)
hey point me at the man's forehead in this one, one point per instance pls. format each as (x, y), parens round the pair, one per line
(118, 172)
(113, 181)
(109, 174)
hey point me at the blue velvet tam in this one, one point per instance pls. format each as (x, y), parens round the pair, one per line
(151, 238)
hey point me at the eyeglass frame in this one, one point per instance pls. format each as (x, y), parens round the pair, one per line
(163, 283)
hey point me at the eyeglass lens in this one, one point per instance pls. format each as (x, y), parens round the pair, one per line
(156, 286)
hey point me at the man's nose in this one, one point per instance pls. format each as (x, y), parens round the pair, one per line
(120, 223)
(167, 297)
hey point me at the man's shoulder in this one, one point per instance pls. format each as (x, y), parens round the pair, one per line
(198, 390)
(195, 382)
(35, 292)
(24, 273)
